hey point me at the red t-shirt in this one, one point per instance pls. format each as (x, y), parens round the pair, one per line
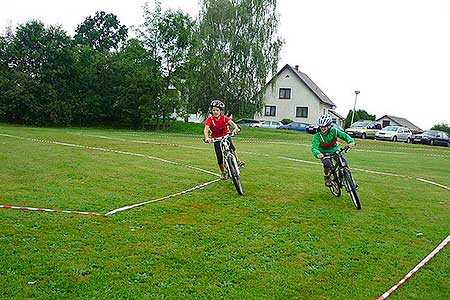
(219, 127)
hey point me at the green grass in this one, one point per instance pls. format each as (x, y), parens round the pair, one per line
(286, 238)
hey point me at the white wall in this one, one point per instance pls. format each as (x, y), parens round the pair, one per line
(301, 95)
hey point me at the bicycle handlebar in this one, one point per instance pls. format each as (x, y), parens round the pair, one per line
(344, 149)
(231, 134)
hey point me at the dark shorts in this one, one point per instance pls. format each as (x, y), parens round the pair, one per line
(328, 163)
(219, 151)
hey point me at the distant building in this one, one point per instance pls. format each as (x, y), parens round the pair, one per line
(387, 120)
(291, 94)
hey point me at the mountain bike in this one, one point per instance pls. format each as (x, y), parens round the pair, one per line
(342, 177)
(230, 161)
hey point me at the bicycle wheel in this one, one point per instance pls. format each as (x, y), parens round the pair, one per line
(351, 184)
(232, 165)
(335, 188)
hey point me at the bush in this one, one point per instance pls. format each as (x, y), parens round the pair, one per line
(286, 121)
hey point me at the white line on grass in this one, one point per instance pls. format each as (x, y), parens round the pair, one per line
(138, 141)
(248, 140)
(295, 159)
(113, 151)
(434, 183)
(160, 199)
(120, 152)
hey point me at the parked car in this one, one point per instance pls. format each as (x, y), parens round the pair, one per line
(313, 128)
(298, 126)
(432, 137)
(271, 124)
(394, 133)
(364, 129)
(248, 123)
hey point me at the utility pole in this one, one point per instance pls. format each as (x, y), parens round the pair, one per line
(354, 105)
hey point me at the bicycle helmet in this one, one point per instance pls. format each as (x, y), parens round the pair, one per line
(324, 120)
(217, 103)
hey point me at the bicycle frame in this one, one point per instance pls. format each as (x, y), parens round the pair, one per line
(226, 152)
(342, 177)
(230, 160)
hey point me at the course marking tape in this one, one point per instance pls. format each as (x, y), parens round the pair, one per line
(138, 141)
(434, 183)
(113, 151)
(416, 268)
(160, 199)
(250, 140)
(50, 210)
(380, 173)
(282, 157)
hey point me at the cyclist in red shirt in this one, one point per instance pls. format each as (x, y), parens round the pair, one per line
(218, 123)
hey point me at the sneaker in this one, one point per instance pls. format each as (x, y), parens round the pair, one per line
(224, 176)
(241, 164)
(327, 180)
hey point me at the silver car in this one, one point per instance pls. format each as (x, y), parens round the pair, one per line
(270, 124)
(394, 133)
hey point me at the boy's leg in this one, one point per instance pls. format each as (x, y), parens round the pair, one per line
(240, 162)
(220, 160)
(327, 165)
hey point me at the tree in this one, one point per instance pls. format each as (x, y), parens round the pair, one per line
(137, 86)
(239, 48)
(442, 127)
(360, 114)
(168, 36)
(102, 32)
(37, 62)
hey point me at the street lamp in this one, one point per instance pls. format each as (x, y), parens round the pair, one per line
(354, 105)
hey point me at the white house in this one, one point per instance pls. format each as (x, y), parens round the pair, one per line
(291, 94)
(387, 120)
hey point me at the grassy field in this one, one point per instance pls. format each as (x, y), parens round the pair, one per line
(286, 238)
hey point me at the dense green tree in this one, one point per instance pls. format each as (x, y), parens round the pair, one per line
(442, 127)
(138, 85)
(360, 114)
(101, 32)
(168, 36)
(37, 62)
(239, 48)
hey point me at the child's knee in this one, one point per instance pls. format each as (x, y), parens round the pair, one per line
(327, 164)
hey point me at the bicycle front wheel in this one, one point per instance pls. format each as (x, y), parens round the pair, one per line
(234, 174)
(352, 188)
(335, 188)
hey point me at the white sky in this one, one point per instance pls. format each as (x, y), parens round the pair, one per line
(396, 52)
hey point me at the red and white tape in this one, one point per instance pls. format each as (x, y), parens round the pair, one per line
(50, 210)
(416, 268)
(160, 199)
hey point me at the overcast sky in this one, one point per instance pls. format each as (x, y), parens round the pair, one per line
(396, 52)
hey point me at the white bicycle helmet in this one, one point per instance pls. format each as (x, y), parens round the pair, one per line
(324, 120)
(217, 103)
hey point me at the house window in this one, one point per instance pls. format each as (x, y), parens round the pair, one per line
(270, 111)
(285, 93)
(301, 112)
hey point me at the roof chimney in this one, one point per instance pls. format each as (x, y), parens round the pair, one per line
(296, 68)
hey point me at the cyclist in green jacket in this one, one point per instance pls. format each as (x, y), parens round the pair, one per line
(325, 142)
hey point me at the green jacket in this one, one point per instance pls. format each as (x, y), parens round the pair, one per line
(327, 143)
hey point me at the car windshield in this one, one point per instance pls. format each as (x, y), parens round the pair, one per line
(360, 124)
(390, 128)
(431, 133)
